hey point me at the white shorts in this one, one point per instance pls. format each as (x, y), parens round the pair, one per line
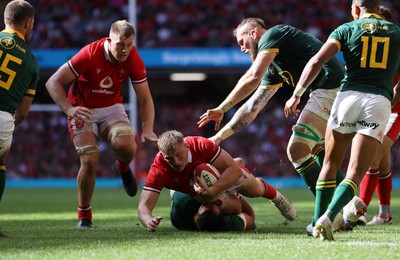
(320, 102)
(242, 182)
(358, 112)
(101, 118)
(7, 127)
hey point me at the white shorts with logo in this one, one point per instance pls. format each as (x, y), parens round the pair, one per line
(320, 102)
(7, 126)
(358, 112)
(101, 118)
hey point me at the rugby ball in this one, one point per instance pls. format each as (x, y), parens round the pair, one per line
(208, 175)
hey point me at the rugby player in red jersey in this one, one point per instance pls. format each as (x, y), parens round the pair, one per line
(173, 168)
(94, 107)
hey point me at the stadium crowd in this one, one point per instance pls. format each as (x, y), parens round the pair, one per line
(180, 23)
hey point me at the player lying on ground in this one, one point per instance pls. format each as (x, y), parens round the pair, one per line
(173, 168)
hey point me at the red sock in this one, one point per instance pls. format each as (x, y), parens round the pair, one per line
(122, 167)
(368, 184)
(384, 189)
(270, 192)
(84, 212)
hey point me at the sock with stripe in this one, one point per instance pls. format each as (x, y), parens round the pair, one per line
(343, 194)
(122, 167)
(84, 212)
(324, 192)
(270, 192)
(384, 192)
(368, 185)
(309, 172)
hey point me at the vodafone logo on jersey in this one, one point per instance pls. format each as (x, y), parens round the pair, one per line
(105, 84)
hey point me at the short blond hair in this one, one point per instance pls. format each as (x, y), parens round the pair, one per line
(168, 140)
(122, 28)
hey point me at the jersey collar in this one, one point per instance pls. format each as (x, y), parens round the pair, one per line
(190, 157)
(106, 50)
(368, 15)
(20, 35)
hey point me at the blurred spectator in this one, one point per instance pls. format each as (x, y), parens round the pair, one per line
(181, 23)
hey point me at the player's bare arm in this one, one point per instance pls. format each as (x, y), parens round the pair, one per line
(396, 90)
(244, 87)
(23, 109)
(55, 87)
(310, 72)
(147, 113)
(147, 202)
(246, 113)
(232, 172)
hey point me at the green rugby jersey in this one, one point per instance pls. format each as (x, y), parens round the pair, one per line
(371, 50)
(184, 209)
(295, 48)
(19, 70)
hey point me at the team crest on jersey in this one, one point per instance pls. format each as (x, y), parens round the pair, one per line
(7, 43)
(369, 27)
(287, 77)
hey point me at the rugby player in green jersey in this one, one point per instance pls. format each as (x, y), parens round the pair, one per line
(19, 74)
(279, 55)
(371, 50)
(189, 214)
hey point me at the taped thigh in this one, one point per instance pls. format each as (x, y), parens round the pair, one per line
(306, 135)
(119, 130)
(87, 149)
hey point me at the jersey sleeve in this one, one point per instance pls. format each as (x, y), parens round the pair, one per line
(138, 72)
(80, 62)
(155, 178)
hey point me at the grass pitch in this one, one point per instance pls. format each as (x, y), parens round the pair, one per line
(41, 224)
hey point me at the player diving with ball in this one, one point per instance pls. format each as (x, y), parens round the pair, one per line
(173, 168)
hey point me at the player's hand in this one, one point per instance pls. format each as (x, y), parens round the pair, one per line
(214, 114)
(149, 135)
(215, 139)
(204, 192)
(79, 113)
(291, 105)
(153, 224)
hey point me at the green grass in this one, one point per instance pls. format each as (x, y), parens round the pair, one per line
(41, 223)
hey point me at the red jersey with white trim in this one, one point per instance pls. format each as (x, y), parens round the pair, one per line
(99, 81)
(161, 175)
(396, 107)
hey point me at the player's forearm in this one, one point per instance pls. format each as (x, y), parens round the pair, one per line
(144, 216)
(245, 86)
(247, 112)
(147, 114)
(58, 95)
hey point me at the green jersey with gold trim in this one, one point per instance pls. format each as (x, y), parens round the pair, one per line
(371, 50)
(184, 211)
(19, 70)
(294, 49)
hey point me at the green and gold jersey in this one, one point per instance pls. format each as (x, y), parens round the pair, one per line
(184, 211)
(294, 49)
(19, 70)
(371, 50)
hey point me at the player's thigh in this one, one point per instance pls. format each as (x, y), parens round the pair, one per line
(7, 127)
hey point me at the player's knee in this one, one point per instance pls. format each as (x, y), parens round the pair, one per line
(302, 141)
(119, 131)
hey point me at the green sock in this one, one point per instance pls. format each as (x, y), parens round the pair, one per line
(319, 158)
(324, 192)
(343, 194)
(309, 172)
(2, 179)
